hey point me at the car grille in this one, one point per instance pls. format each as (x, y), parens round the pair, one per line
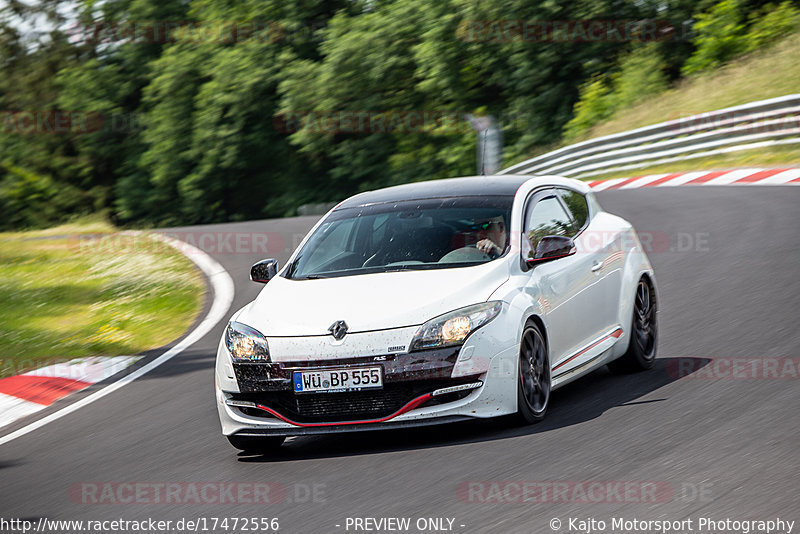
(349, 406)
(433, 364)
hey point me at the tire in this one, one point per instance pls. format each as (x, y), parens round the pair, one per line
(641, 353)
(533, 376)
(255, 443)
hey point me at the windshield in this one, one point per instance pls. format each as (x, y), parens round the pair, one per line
(409, 235)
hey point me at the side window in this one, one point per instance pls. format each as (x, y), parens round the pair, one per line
(577, 206)
(545, 217)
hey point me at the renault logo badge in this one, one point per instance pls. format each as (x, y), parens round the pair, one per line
(338, 330)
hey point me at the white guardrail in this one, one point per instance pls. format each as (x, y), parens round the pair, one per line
(759, 124)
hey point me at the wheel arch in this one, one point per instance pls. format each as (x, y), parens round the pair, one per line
(535, 319)
(626, 307)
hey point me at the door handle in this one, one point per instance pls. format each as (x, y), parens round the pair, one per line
(597, 266)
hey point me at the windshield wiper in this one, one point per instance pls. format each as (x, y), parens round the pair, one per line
(411, 267)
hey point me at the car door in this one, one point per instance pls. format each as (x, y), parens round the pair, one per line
(601, 244)
(562, 287)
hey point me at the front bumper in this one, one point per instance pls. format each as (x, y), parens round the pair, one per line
(287, 431)
(410, 381)
(476, 380)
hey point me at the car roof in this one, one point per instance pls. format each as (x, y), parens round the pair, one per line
(503, 185)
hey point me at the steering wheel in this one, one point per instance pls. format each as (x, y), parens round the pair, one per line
(470, 253)
(492, 254)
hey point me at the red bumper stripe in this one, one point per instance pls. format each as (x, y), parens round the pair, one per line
(407, 408)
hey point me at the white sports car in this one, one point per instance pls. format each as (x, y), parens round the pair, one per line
(435, 302)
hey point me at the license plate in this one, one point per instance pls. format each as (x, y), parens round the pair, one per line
(334, 380)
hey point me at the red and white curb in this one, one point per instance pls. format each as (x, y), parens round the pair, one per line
(783, 176)
(30, 392)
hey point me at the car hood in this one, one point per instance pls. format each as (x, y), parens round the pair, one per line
(369, 301)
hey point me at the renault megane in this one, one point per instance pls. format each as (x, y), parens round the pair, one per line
(435, 302)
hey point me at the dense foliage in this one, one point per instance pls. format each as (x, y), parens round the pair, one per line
(162, 112)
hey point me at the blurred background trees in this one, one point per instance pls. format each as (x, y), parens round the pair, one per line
(182, 112)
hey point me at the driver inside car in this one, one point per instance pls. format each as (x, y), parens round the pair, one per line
(492, 236)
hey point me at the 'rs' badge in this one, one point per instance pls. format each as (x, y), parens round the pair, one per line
(338, 330)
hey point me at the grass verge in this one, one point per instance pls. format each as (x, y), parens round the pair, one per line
(85, 289)
(767, 73)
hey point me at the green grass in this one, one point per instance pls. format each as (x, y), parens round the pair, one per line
(768, 157)
(85, 289)
(766, 73)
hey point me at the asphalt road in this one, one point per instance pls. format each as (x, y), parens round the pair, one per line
(723, 446)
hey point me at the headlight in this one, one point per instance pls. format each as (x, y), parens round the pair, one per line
(246, 344)
(454, 327)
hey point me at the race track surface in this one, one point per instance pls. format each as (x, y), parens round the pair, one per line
(717, 444)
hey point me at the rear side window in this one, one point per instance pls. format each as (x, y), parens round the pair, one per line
(578, 206)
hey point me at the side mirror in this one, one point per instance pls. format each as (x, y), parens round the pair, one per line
(264, 271)
(552, 247)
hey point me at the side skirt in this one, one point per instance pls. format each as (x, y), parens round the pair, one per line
(586, 359)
